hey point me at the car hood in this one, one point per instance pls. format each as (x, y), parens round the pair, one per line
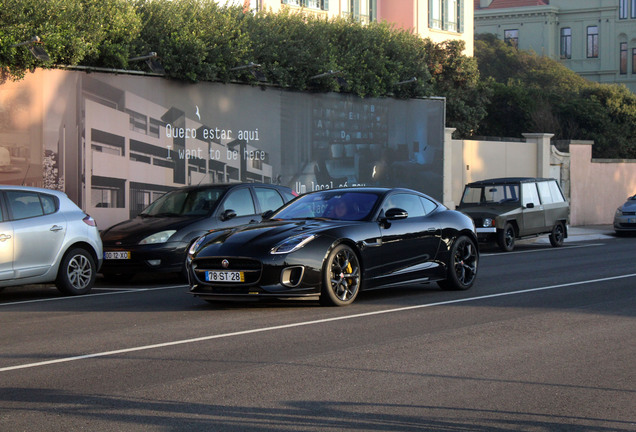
(138, 228)
(629, 206)
(263, 235)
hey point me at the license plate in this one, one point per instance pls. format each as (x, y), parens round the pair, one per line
(224, 276)
(119, 255)
(631, 220)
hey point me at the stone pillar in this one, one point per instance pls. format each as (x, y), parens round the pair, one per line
(542, 141)
(447, 198)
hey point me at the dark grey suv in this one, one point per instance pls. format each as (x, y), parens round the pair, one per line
(506, 209)
(158, 238)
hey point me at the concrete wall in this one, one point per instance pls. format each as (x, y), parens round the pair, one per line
(594, 187)
(469, 160)
(597, 186)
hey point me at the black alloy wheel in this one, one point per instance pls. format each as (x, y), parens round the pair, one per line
(341, 278)
(462, 265)
(506, 237)
(557, 235)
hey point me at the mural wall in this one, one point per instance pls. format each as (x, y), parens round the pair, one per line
(114, 143)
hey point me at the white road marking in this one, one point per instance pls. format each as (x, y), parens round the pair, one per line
(304, 323)
(540, 250)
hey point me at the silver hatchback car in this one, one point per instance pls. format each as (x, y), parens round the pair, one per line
(44, 238)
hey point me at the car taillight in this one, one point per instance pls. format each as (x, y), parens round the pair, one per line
(89, 221)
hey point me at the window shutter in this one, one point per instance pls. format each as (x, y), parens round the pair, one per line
(460, 16)
(325, 4)
(430, 13)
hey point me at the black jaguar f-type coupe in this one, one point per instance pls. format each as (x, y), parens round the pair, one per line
(334, 243)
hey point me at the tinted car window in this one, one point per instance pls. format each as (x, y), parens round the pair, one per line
(268, 198)
(24, 204)
(410, 203)
(184, 202)
(240, 201)
(429, 205)
(49, 204)
(530, 194)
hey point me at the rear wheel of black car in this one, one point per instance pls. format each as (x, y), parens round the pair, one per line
(341, 277)
(462, 265)
(506, 237)
(557, 235)
(77, 272)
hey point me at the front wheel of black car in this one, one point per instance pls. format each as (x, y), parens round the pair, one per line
(557, 235)
(506, 237)
(77, 272)
(341, 277)
(462, 265)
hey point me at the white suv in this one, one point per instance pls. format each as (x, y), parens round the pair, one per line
(44, 238)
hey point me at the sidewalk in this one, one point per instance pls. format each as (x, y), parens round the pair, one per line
(584, 232)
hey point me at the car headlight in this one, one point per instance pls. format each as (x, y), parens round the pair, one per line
(160, 237)
(292, 244)
(196, 245)
(488, 222)
(619, 212)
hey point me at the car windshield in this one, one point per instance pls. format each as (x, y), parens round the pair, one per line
(336, 205)
(184, 202)
(491, 194)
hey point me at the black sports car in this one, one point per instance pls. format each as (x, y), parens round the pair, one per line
(334, 243)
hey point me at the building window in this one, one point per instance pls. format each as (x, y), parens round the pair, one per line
(622, 9)
(511, 37)
(634, 61)
(566, 43)
(451, 13)
(435, 14)
(373, 10)
(138, 121)
(633, 14)
(623, 57)
(446, 15)
(314, 4)
(592, 42)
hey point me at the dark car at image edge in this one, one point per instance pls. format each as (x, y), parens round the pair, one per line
(332, 244)
(156, 240)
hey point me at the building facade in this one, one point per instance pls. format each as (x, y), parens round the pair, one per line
(594, 38)
(439, 20)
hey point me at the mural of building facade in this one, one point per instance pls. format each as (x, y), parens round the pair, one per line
(114, 143)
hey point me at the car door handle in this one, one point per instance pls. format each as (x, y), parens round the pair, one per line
(4, 237)
(56, 228)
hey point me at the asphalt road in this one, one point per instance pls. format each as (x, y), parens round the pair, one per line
(543, 342)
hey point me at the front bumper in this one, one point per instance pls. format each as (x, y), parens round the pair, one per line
(164, 257)
(625, 223)
(273, 277)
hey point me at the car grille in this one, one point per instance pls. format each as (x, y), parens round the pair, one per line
(251, 268)
(629, 213)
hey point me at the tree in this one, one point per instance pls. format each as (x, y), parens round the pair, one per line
(532, 93)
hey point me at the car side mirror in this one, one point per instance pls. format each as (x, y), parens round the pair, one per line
(530, 205)
(268, 214)
(396, 214)
(228, 214)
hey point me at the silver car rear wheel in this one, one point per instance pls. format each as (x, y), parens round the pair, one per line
(77, 272)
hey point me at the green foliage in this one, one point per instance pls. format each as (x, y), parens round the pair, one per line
(198, 40)
(532, 93)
